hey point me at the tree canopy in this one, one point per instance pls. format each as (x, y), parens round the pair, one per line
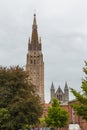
(57, 116)
(18, 97)
(81, 98)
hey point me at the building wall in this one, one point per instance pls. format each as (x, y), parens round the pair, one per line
(73, 118)
(35, 69)
(69, 109)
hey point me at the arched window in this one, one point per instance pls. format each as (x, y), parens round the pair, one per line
(31, 61)
(34, 61)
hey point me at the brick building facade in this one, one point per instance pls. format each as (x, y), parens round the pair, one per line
(73, 117)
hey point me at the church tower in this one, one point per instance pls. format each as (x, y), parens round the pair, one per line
(35, 64)
(62, 96)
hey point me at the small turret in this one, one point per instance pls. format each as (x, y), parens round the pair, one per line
(52, 92)
(66, 91)
(28, 43)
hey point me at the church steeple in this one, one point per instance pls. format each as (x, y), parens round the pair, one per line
(35, 63)
(34, 44)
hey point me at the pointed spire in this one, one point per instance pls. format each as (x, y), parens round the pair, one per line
(52, 86)
(34, 44)
(34, 22)
(34, 37)
(66, 86)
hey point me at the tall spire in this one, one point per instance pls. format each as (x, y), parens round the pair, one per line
(34, 44)
(34, 22)
(34, 38)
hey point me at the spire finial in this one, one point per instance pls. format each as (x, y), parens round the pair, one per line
(34, 22)
(34, 14)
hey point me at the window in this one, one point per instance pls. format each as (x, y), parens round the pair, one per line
(34, 61)
(31, 61)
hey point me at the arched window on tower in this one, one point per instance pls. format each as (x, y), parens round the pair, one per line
(34, 61)
(59, 98)
(31, 61)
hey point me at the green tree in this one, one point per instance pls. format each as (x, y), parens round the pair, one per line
(4, 118)
(19, 97)
(42, 122)
(81, 98)
(57, 117)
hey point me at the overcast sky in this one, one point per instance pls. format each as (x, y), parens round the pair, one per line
(62, 25)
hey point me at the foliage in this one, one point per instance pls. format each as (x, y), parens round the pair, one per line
(81, 105)
(42, 122)
(57, 116)
(4, 118)
(19, 97)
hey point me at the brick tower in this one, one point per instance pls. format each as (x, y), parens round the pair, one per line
(35, 64)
